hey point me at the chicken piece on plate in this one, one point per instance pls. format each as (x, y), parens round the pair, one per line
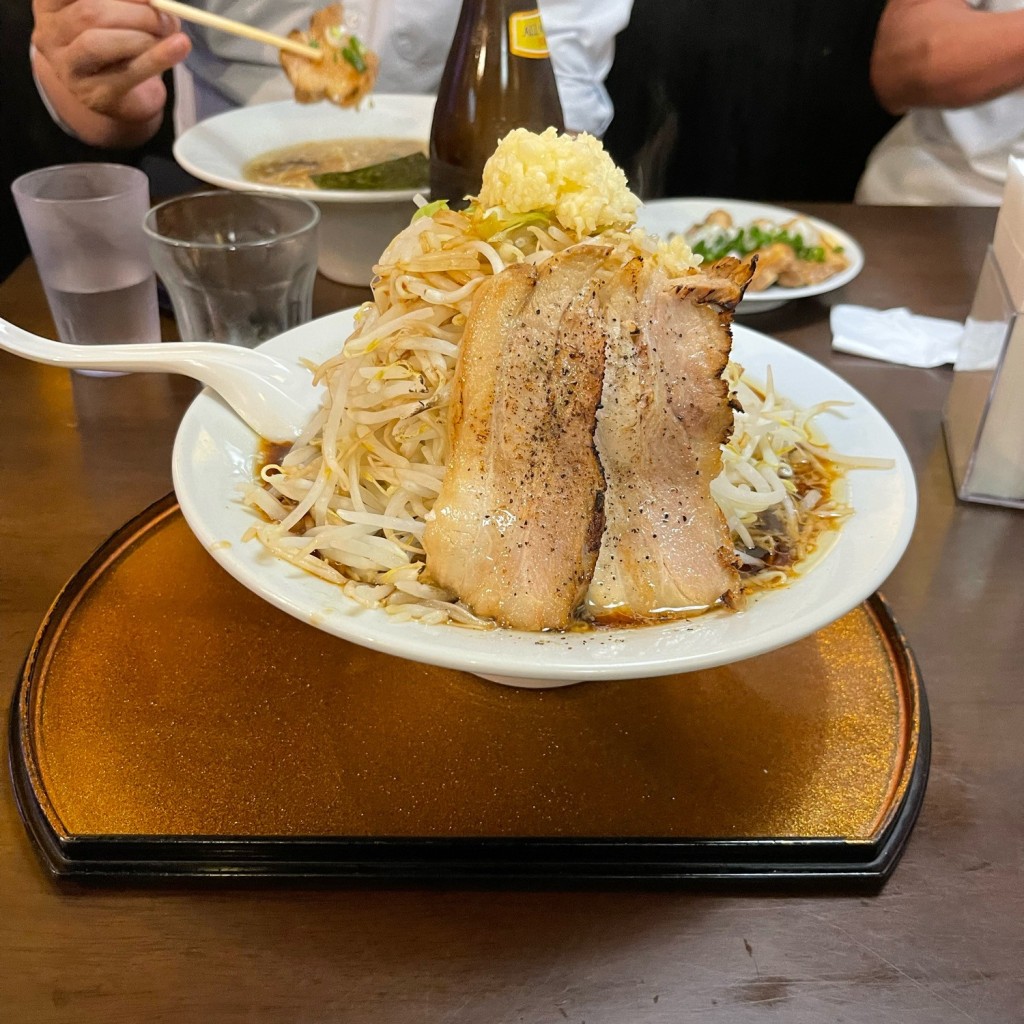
(666, 549)
(773, 261)
(717, 219)
(347, 71)
(805, 272)
(801, 273)
(516, 527)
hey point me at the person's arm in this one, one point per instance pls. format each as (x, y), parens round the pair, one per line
(99, 62)
(944, 53)
(581, 37)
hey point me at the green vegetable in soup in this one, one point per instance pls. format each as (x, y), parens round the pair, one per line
(410, 171)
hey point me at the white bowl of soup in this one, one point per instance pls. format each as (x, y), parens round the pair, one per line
(286, 147)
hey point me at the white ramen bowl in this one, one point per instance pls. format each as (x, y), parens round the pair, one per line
(215, 458)
(355, 226)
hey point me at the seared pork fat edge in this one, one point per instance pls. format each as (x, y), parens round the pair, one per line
(535, 422)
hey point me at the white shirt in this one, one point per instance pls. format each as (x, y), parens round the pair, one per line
(938, 157)
(411, 37)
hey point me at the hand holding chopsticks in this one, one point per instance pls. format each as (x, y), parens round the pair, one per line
(237, 28)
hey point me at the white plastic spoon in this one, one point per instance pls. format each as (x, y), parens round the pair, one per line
(273, 398)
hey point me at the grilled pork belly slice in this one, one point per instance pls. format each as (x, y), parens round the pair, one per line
(517, 525)
(666, 549)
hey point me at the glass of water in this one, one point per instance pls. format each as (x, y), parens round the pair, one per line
(239, 267)
(84, 226)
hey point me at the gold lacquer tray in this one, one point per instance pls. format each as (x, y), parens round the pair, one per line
(170, 722)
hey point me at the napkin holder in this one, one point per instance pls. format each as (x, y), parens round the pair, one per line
(983, 419)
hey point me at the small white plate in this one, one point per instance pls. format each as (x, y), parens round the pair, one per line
(665, 217)
(214, 458)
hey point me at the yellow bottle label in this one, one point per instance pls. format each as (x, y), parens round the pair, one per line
(526, 35)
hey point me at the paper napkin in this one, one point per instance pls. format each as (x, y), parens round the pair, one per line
(895, 335)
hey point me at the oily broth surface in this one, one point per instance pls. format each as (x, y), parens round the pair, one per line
(291, 166)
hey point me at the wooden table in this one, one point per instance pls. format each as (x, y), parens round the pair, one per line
(944, 940)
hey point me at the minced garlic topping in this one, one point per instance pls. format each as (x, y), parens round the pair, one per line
(570, 177)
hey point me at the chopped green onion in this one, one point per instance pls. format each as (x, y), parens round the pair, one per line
(355, 53)
(749, 239)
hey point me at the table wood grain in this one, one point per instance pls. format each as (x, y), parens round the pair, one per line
(942, 941)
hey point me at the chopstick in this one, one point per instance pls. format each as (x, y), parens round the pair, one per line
(237, 28)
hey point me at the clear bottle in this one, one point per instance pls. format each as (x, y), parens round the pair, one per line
(498, 77)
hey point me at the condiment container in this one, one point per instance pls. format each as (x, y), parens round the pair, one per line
(983, 418)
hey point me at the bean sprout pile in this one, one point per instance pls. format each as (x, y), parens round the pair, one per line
(781, 486)
(349, 502)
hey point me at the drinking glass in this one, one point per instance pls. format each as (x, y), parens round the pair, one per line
(239, 267)
(84, 226)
